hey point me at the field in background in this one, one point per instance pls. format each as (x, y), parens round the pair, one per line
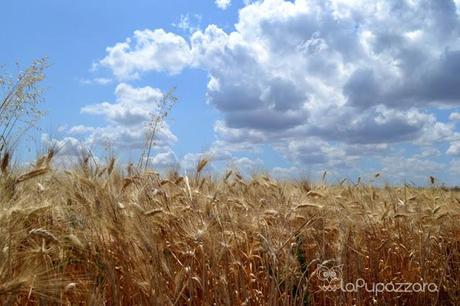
(95, 236)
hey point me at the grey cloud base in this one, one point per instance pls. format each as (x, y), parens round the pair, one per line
(344, 73)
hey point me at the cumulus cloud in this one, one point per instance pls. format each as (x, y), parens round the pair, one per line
(315, 69)
(223, 4)
(147, 51)
(455, 116)
(245, 165)
(69, 150)
(454, 149)
(344, 73)
(164, 160)
(222, 155)
(132, 106)
(125, 120)
(68, 146)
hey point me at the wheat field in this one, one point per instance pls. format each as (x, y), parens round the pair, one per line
(105, 235)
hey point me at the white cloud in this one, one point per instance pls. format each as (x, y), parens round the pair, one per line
(454, 116)
(164, 160)
(454, 169)
(221, 156)
(454, 148)
(285, 173)
(97, 81)
(184, 23)
(430, 152)
(133, 105)
(245, 165)
(69, 150)
(223, 4)
(67, 146)
(189, 23)
(79, 129)
(316, 79)
(147, 51)
(125, 120)
(413, 169)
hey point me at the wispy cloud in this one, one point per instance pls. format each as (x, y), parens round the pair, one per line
(97, 81)
(189, 23)
(223, 4)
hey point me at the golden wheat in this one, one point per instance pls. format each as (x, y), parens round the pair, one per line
(99, 236)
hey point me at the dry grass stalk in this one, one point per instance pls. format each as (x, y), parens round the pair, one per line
(141, 239)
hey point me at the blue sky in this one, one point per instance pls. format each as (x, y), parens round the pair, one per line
(290, 87)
